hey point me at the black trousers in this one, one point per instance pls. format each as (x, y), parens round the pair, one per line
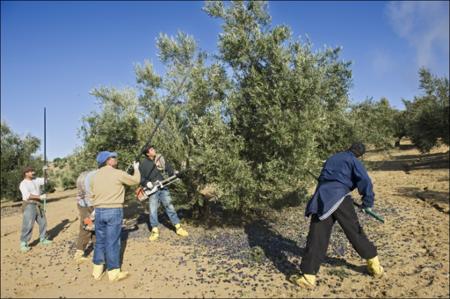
(319, 237)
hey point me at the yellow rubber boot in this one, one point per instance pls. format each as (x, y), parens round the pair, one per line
(98, 272)
(116, 275)
(154, 235)
(307, 281)
(374, 267)
(79, 256)
(180, 231)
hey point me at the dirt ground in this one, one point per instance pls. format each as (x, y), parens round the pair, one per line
(254, 259)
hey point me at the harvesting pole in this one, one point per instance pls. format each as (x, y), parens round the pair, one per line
(171, 100)
(45, 158)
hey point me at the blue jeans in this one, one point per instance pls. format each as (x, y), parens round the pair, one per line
(31, 214)
(162, 196)
(108, 228)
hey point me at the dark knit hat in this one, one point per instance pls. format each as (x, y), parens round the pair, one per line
(358, 149)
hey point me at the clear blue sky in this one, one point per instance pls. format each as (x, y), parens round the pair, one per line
(54, 53)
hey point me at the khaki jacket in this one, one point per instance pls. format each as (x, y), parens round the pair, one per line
(107, 186)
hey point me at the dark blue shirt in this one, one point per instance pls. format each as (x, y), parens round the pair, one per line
(340, 174)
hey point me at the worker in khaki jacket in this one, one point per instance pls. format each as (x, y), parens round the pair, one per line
(108, 195)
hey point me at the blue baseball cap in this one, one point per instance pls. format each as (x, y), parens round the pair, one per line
(105, 155)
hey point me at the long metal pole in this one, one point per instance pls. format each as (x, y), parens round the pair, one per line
(171, 101)
(45, 157)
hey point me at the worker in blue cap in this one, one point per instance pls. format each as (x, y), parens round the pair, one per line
(108, 196)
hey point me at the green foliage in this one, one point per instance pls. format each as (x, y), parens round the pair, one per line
(399, 126)
(246, 124)
(114, 128)
(215, 159)
(17, 153)
(66, 171)
(428, 115)
(375, 123)
(282, 97)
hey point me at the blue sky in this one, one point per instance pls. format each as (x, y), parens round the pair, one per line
(54, 53)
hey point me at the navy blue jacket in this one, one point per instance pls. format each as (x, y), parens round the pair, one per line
(340, 174)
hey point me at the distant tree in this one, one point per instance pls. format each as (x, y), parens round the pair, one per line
(428, 115)
(399, 125)
(16, 154)
(375, 123)
(114, 127)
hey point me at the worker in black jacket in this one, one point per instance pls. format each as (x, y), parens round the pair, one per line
(153, 169)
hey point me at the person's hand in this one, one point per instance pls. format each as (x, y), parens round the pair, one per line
(44, 168)
(149, 185)
(176, 172)
(136, 165)
(43, 196)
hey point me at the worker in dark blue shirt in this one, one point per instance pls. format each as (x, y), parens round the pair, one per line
(331, 202)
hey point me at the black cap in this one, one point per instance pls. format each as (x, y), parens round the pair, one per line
(358, 149)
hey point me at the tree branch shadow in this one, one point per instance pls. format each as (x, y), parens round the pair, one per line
(407, 163)
(424, 194)
(56, 230)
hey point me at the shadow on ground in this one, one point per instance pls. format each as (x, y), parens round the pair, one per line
(56, 230)
(414, 192)
(278, 249)
(407, 163)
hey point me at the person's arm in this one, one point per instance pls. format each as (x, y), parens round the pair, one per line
(35, 197)
(26, 194)
(130, 180)
(364, 184)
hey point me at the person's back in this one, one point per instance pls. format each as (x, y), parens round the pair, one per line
(84, 194)
(341, 174)
(85, 210)
(108, 195)
(108, 186)
(338, 168)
